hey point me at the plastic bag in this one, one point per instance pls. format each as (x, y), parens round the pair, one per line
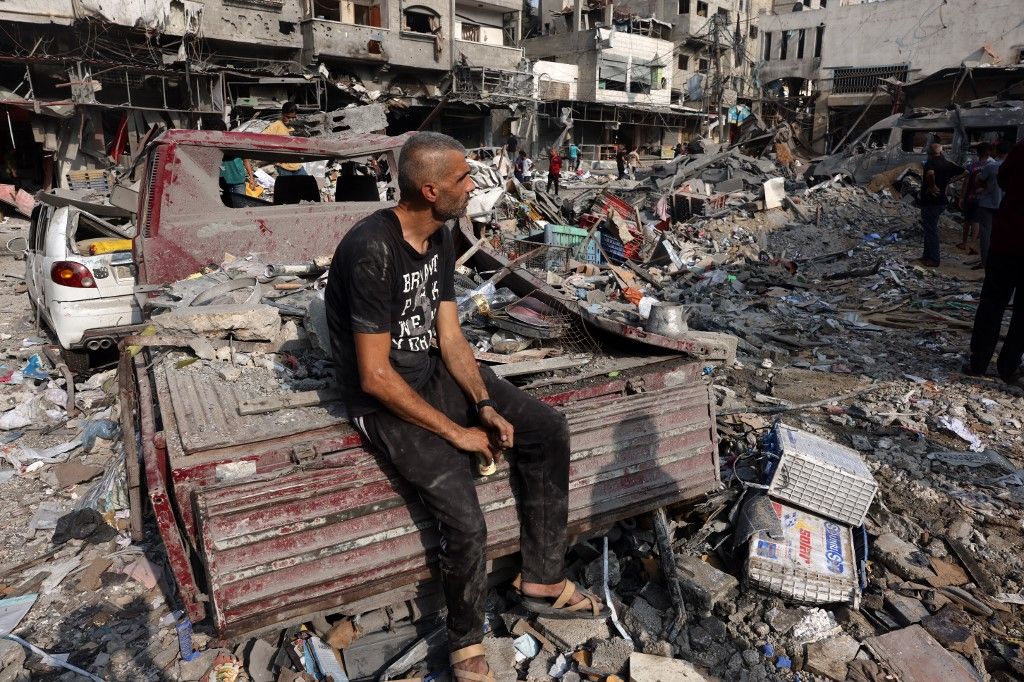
(107, 429)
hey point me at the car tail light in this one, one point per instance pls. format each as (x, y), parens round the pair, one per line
(71, 274)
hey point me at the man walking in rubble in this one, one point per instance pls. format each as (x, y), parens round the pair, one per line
(414, 390)
(938, 171)
(1004, 279)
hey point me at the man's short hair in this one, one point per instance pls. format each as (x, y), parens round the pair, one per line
(418, 161)
(1004, 147)
(289, 108)
(984, 148)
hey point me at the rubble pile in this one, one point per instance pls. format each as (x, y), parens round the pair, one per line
(871, 512)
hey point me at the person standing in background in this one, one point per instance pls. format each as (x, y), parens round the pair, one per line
(574, 157)
(938, 171)
(554, 169)
(289, 112)
(989, 196)
(1004, 279)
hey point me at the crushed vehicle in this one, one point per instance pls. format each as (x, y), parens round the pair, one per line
(269, 504)
(80, 273)
(903, 139)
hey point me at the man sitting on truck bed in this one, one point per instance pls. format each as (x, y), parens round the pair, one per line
(413, 388)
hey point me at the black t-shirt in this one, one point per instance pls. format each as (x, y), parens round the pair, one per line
(945, 171)
(379, 283)
(620, 159)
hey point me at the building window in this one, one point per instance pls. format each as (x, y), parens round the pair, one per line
(784, 45)
(421, 20)
(684, 62)
(753, 33)
(819, 38)
(702, 9)
(767, 46)
(800, 44)
(471, 32)
(684, 6)
(807, 3)
(703, 65)
(822, 4)
(723, 14)
(358, 12)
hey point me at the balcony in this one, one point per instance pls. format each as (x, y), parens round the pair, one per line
(488, 56)
(325, 38)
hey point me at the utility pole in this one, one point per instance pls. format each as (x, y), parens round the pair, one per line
(718, 75)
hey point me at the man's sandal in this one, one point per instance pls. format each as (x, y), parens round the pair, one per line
(589, 607)
(464, 654)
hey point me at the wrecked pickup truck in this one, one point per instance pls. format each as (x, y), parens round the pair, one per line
(269, 504)
(904, 139)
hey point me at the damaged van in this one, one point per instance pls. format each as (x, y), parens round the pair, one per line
(904, 139)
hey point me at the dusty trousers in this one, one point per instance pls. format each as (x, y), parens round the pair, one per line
(1004, 279)
(444, 479)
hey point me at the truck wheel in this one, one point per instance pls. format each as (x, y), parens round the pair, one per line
(76, 360)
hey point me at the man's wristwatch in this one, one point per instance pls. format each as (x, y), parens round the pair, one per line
(486, 402)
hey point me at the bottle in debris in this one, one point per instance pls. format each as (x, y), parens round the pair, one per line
(485, 466)
(184, 630)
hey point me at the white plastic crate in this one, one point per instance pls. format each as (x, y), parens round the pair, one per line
(812, 564)
(821, 476)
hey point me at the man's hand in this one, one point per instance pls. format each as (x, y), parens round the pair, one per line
(501, 431)
(475, 440)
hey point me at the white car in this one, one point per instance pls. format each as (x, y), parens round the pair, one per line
(80, 275)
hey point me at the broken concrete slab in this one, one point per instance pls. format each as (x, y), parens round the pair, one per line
(915, 656)
(647, 668)
(733, 184)
(902, 558)
(570, 634)
(259, 659)
(951, 627)
(642, 620)
(906, 610)
(704, 583)
(501, 657)
(243, 322)
(831, 657)
(611, 656)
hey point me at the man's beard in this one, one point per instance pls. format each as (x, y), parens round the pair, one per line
(451, 210)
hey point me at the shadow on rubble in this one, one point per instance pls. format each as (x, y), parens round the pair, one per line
(115, 643)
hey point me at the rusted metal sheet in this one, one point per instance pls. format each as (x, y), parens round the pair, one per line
(207, 413)
(319, 538)
(154, 455)
(184, 225)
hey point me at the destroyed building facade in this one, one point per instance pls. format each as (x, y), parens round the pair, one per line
(822, 64)
(659, 72)
(84, 82)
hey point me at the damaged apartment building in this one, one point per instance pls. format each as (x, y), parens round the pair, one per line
(649, 73)
(836, 67)
(85, 83)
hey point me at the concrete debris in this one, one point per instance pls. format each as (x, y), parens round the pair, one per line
(243, 322)
(646, 668)
(830, 657)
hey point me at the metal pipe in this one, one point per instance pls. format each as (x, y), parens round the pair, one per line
(92, 344)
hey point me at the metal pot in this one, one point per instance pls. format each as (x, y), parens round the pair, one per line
(667, 319)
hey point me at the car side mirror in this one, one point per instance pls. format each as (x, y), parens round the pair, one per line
(17, 245)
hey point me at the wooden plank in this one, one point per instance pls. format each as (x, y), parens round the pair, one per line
(516, 369)
(284, 402)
